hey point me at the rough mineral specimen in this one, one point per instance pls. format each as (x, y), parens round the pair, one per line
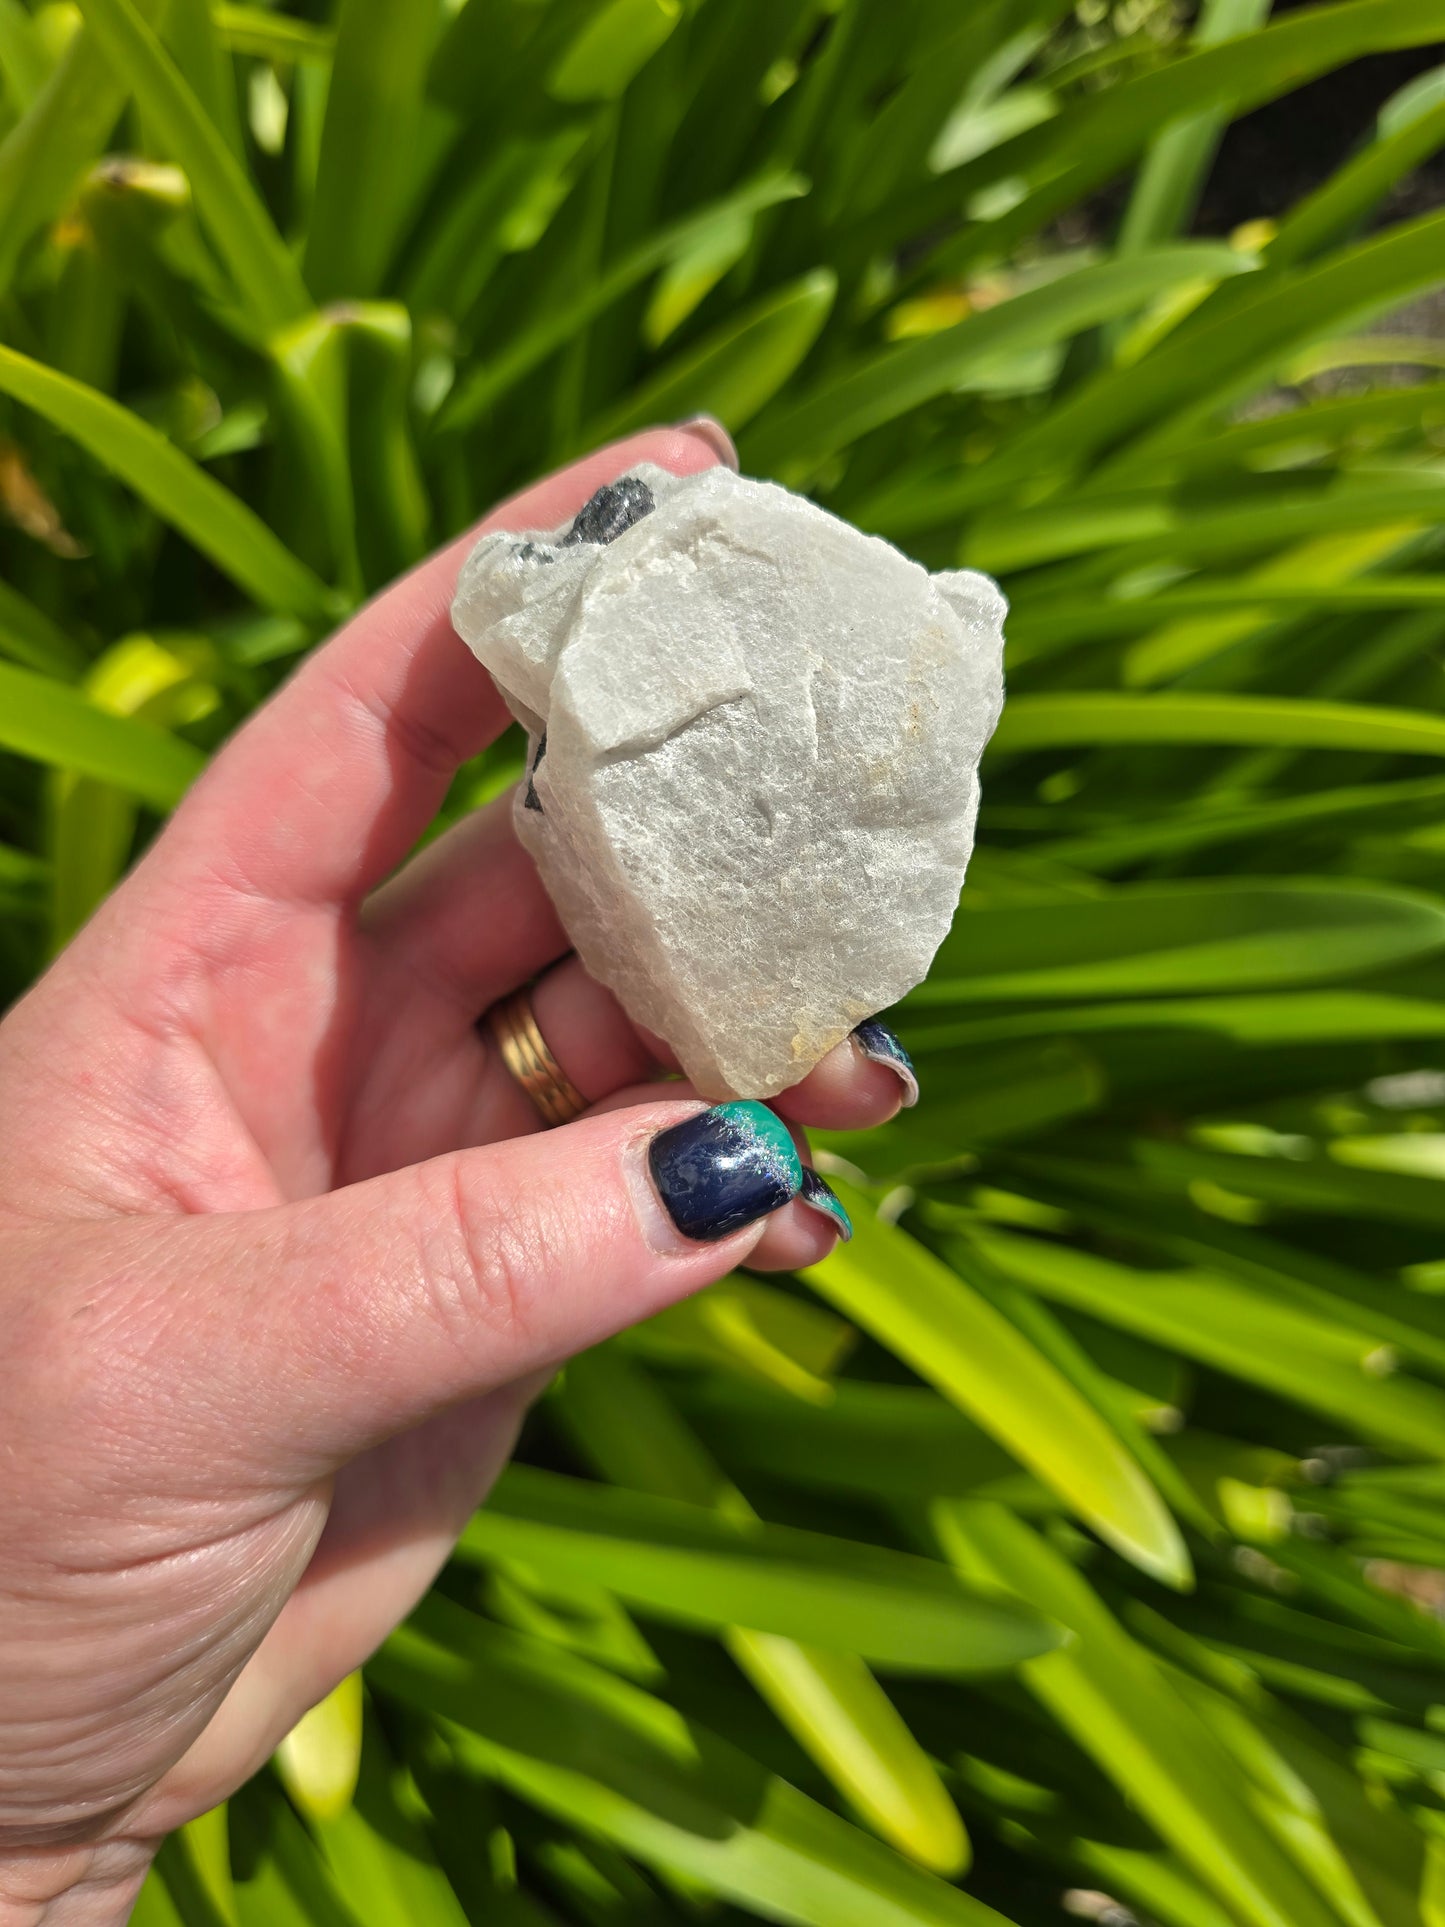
(752, 776)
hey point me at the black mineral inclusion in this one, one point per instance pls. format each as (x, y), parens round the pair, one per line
(611, 512)
(531, 801)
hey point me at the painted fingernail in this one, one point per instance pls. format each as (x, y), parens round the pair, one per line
(711, 430)
(820, 1196)
(880, 1046)
(725, 1168)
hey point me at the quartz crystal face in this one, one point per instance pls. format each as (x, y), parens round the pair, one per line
(752, 773)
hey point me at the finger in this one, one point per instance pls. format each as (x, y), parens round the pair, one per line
(468, 917)
(359, 1314)
(799, 1234)
(861, 1083)
(438, 1081)
(605, 1056)
(330, 784)
(471, 918)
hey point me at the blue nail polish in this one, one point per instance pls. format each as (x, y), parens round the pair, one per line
(880, 1046)
(725, 1168)
(820, 1195)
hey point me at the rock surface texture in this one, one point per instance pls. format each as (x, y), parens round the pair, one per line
(753, 767)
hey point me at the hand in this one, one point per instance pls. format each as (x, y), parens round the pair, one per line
(283, 1249)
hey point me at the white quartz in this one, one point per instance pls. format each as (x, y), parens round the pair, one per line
(756, 800)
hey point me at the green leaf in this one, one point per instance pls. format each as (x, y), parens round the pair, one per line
(1064, 621)
(207, 1848)
(192, 39)
(272, 36)
(1347, 198)
(377, 1852)
(217, 522)
(1101, 716)
(1153, 520)
(494, 376)
(896, 1441)
(687, 1563)
(46, 152)
(176, 1893)
(1167, 938)
(265, 275)
(1080, 150)
(24, 67)
(916, 1307)
(736, 368)
(1172, 174)
(1120, 1706)
(319, 1761)
(281, 1879)
(599, 1754)
(373, 117)
(1145, 525)
(1106, 849)
(1304, 1357)
(694, 273)
(310, 412)
(29, 636)
(92, 824)
(996, 1096)
(55, 724)
(829, 1701)
(881, 387)
(1190, 378)
(1307, 1017)
(750, 1328)
(610, 49)
(393, 512)
(1312, 1186)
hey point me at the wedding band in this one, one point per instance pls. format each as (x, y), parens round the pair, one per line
(524, 1050)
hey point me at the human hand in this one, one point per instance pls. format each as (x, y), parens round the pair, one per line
(283, 1248)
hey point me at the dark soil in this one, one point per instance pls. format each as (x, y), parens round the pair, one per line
(1270, 158)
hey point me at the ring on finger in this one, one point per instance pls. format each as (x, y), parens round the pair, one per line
(523, 1049)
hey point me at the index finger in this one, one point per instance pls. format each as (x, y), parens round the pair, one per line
(329, 785)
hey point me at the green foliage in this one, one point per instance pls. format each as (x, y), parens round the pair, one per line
(1079, 1529)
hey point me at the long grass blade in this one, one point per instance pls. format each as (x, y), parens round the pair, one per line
(266, 277)
(219, 524)
(57, 725)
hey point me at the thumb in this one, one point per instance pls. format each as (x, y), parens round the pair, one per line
(343, 1320)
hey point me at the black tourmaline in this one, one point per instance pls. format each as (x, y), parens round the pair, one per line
(531, 801)
(612, 511)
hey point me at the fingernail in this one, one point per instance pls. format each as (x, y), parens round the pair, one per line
(711, 430)
(725, 1168)
(880, 1046)
(820, 1195)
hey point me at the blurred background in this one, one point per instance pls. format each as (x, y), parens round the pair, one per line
(1071, 1546)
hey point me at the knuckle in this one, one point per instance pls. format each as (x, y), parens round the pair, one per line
(435, 747)
(485, 1278)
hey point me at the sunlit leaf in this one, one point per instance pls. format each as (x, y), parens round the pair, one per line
(952, 1336)
(581, 1746)
(685, 1562)
(261, 266)
(60, 726)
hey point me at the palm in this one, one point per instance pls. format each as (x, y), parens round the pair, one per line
(271, 1052)
(268, 1030)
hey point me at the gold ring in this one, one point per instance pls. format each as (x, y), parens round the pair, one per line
(524, 1050)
